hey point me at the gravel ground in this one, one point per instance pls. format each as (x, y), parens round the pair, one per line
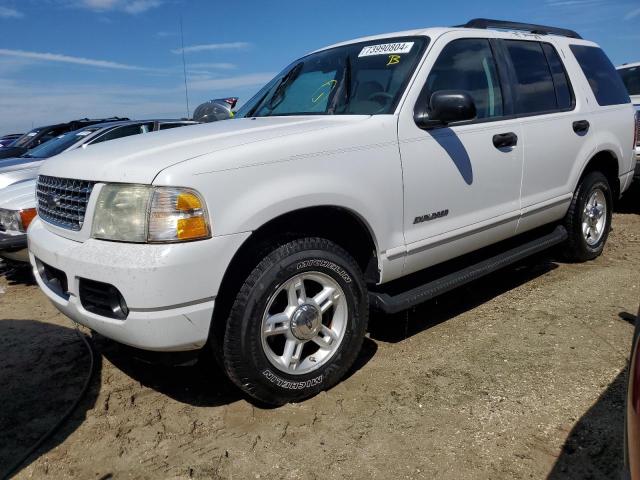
(520, 375)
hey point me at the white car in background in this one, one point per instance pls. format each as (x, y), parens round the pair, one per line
(17, 176)
(630, 73)
(17, 210)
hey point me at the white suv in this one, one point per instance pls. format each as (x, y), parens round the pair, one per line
(268, 236)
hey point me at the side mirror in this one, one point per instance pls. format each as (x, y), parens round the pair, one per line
(447, 106)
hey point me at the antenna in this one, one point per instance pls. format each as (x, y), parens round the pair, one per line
(184, 68)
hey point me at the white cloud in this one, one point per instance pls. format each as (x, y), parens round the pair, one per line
(165, 34)
(213, 84)
(139, 6)
(632, 14)
(212, 46)
(6, 12)
(55, 57)
(129, 6)
(215, 66)
(40, 103)
(573, 3)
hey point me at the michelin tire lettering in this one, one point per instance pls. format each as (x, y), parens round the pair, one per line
(289, 385)
(326, 264)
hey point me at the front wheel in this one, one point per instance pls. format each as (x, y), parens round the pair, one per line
(588, 220)
(297, 323)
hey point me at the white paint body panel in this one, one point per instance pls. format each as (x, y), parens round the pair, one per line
(382, 168)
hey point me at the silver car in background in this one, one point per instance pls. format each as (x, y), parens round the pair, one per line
(18, 176)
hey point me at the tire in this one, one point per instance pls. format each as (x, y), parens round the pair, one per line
(586, 245)
(278, 345)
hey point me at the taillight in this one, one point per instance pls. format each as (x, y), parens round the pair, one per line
(636, 137)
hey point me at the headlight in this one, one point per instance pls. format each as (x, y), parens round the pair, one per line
(141, 213)
(16, 220)
(10, 220)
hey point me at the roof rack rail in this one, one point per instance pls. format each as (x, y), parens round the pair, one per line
(486, 23)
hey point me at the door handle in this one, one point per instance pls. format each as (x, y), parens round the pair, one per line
(503, 140)
(581, 127)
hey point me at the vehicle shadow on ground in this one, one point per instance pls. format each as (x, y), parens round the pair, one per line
(42, 372)
(400, 326)
(630, 201)
(17, 274)
(594, 447)
(202, 384)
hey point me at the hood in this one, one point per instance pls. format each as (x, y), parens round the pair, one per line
(15, 175)
(19, 163)
(139, 158)
(19, 196)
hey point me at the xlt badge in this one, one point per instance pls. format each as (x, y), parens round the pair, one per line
(431, 216)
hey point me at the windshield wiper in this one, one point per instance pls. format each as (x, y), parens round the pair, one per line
(344, 89)
(279, 93)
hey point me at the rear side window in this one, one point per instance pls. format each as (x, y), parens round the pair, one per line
(534, 88)
(605, 82)
(564, 95)
(469, 65)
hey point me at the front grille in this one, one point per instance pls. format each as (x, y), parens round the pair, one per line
(63, 201)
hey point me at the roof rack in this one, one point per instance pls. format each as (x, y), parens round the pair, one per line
(486, 23)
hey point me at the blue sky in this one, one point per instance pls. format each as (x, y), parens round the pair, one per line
(63, 59)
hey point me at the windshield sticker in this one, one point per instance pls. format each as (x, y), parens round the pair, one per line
(393, 59)
(32, 134)
(83, 134)
(386, 49)
(323, 90)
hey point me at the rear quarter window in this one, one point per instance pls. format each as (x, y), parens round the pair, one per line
(605, 82)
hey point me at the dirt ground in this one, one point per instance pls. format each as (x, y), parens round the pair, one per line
(520, 375)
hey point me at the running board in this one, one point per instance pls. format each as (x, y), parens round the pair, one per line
(401, 301)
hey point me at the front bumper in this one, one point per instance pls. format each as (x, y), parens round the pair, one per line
(169, 288)
(14, 247)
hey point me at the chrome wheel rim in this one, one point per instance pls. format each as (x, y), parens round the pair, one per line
(304, 323)
(594, 217)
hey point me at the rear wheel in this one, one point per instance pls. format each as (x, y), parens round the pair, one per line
(297, 323)
(588, 220)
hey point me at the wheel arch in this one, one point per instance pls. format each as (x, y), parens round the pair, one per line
(339, 224)
(605, 161)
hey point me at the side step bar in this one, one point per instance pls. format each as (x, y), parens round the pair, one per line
(401, 301)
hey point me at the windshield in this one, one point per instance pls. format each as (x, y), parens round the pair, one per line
(26, 138)
(631, 78)
(365, 78)
(59, 144)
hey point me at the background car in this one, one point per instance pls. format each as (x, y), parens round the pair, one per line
(632, 424)
(215, 110)
(630, 73)
(40, 135)
(14, 170)
(7, 140)
(18, 203)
